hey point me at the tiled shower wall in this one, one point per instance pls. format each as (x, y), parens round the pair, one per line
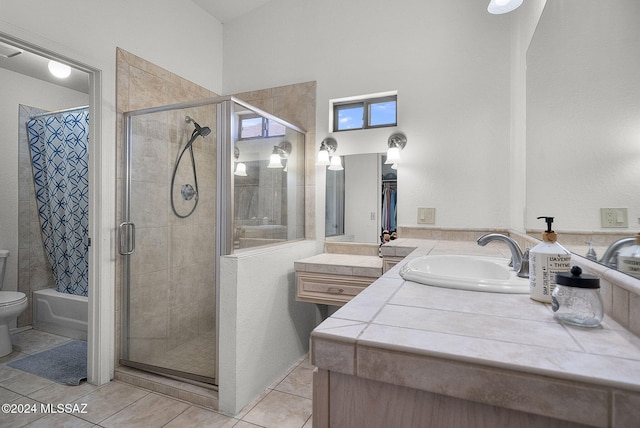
(173, 283)
(141, 84)
(34, 271)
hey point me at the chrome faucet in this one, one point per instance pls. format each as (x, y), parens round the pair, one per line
(609, 258)
(520, 265)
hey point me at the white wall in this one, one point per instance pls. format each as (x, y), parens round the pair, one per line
(263, 330)
(449, 62)
(19, 89)
(524, 25)
(583, 114)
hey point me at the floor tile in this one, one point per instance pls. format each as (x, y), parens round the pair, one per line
(286, 403)
(243, 424)
(298, 382)
(34, 341)
(280, 410)
(15, 355)
(25, 383)
(59, 393)
(198, 417)
(7, 372)
(7, 396)
(151, 411)
(61, 420)
(109, 400)
(11, 420)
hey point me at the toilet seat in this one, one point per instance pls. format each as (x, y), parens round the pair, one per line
(8, 298)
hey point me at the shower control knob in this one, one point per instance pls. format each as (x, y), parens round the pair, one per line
(188, 192)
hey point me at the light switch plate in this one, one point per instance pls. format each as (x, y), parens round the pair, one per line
(426, 216)
(614, 217)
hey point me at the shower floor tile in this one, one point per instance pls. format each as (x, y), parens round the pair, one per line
(286, 403)
(193, 356)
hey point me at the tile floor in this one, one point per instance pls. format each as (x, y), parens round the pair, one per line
(286, 403)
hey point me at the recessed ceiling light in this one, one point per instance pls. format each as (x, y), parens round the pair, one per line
(59, 70)
(503, 6)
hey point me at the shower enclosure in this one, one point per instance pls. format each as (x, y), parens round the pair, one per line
(202, 180)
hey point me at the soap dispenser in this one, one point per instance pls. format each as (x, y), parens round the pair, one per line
(546, 260)
(629, 259)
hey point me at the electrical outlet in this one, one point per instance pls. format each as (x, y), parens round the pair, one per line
(426, 216)
(614, 217)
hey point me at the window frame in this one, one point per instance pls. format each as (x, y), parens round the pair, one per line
(365, 103)
(264, 132)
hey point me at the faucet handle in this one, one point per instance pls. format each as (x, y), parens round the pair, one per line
(524, 266)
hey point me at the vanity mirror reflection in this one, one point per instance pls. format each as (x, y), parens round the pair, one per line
(583, 121)
(360, 199)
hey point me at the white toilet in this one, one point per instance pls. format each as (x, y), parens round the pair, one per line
(12, 304)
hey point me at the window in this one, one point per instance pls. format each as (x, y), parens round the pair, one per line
(254, 126)
(365, 113)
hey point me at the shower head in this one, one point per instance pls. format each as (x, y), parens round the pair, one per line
(204, 131)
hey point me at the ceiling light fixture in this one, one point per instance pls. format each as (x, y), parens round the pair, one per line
(497, 7)
(61, 71)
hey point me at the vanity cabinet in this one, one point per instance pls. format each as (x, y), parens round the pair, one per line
(334, 279)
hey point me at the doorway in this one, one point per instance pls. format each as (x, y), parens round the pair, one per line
(99, 325)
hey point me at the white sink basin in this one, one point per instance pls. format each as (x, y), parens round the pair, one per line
(475, 273)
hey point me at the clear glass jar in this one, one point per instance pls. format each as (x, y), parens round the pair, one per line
(576, 299)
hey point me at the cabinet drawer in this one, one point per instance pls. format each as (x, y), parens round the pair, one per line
(329, 289)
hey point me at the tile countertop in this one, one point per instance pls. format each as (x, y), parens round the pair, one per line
(501, 349)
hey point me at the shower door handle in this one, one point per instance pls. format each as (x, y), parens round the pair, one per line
(127, 238)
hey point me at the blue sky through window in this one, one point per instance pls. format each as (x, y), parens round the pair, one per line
(350, 118)
(382, 113)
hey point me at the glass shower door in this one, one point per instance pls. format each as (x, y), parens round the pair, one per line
(168, 241)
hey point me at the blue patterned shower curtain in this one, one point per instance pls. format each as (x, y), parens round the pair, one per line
(59, 156)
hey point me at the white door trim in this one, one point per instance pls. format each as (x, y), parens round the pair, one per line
(101, 357)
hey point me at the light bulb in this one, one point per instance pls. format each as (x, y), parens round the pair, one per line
(336, 163)
(275, 161)
(241, 169)
(323, 158)
(393, 156)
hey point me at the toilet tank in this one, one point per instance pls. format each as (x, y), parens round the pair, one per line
(3, 259)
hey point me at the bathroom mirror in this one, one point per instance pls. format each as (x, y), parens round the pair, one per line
(360, 199)
(583, 121)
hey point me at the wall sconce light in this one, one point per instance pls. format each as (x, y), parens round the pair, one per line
(498, 7)
(241, 167)
(327, 148)
(281, 151)
(336, 163)
(396, 143)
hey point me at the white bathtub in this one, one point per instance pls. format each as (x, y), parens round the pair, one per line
(60, 313)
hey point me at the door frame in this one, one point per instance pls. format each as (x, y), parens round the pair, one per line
(101, 310)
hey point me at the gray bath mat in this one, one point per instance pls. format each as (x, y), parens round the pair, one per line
(66, 364)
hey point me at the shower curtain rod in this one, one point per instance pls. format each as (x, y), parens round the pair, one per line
(47, 113)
